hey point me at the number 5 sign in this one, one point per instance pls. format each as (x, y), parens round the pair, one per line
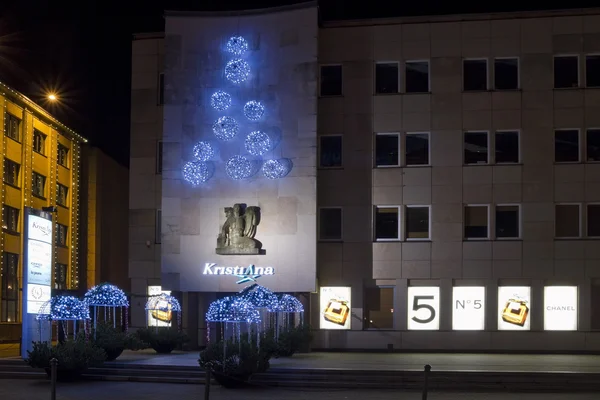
(423, 308)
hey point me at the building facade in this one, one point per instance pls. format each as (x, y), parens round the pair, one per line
(41, 168)
(457, 180)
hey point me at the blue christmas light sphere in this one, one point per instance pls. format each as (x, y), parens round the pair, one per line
(225, 128)
(203, 151)
(257, 143)
(274, 169)
(237, 45)
(196, 172)
(254, 110)
(237, 71)
(239, 167)
(220, 100)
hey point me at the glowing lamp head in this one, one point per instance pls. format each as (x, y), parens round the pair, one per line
(52, 97)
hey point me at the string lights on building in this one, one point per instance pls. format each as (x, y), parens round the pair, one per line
(237, 45)
(254, 110)
(106, 295)
(288, 304)
(203, 151)
(237, 71)
(239, 167)
(4, 178)
(220, 100)
(196, 172)
(232, 309)
(225, 128)
(257, 143)
(274, 169)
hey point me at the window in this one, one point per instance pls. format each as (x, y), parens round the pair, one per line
(593, 220)
(331, 80)
(12, 127)
(475, 75)
(61, 235)
(506, 73)
(567, 221)
(592, 70)
(10, 219)
(62, 195)
(566, 145)
(386, 78)
(63, 155)
(566, 72)
(417, 222)
(417, 76)
(387, 147)
(330, 224)
(595, 309)
(508, 221)
(592, 145)
(387, 225)
(159, 156)
(158, 226)
(39, 185)
(11, 172)
(476, 148)
(379, 308)
(161, 88)
(60, 276)
(330, 151)
(417, 149)
(10, 288)
(39, 142)
(476, 222)
(507, 147)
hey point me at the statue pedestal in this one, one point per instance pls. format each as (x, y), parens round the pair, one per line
(235, 251)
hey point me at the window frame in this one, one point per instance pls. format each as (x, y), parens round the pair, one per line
(18, 182)
(489, 152)
(406, 62)
(487, 74)
(585, 155)
(518, 73)
(400, 147)
(66, 229)
(564, 55)
(489, 222)
(587, 219)
(585, 69)
(15, 279)
(7, 117)
(321, 79)
(405, 225)
(398, 83)
(67, 164)
(34, 185)
(341, 238)
(6, 208)
(519, 221)
(579, 145)
(58, 186)
(580, 206)
(43, 144)
(320, 166)
(400, 221)
(404, 153)
(57, 267)
(501, 131)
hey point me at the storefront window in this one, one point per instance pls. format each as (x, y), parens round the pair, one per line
(379, 308)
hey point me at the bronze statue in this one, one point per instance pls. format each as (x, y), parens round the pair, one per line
(238, 231)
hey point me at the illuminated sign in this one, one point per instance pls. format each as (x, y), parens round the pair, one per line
(158, 317)
(468, 308)
(514, 308)
(247, 274)
(39, 262)
(335, 308)
(423, 308)
(560, 308)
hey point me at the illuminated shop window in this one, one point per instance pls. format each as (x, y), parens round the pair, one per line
(379, 308)
(9, 311)
(386, 77)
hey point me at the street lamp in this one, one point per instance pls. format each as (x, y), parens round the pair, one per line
(52, 97)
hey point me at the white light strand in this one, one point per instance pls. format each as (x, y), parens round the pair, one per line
(4, 115)
(237, 45)
(225, 128)
(220, 100)
(239, 167)
(257, 143)
(254, 110)
(203, 151)
(54, 165)
(237, 71)
(274, 169)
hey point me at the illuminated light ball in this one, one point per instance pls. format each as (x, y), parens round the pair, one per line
(274, 169)
(203, 151)
(254, 110)
(257, 143)
(196, 172)
(106, 295)
(239, 167)
(225, 128)
(237, 45)
(237, 71)
(220, 100)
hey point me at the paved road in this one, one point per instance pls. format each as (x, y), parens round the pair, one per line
(40, 390)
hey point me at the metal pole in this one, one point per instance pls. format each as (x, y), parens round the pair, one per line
(53, 364)
(425, 381)
(206, 385)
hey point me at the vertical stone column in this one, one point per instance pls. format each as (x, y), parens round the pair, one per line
(446, 305)
(400, 304)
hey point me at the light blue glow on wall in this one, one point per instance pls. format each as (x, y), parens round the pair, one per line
(274, 169)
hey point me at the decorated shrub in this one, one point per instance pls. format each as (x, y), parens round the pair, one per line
(113, 340)
(163, 340)
(293, 339)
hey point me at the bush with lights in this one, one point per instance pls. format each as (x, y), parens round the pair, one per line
(162, 339)
(114, 340)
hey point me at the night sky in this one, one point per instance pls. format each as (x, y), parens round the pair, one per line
(82, 51)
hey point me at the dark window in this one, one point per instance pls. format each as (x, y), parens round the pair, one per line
(60, 276)
(476, 222)
(39, 142)
(39, 185)
(331, 80)
(62, 195)
(592, 71)
(330, 224)
(507, 222)
(158, 227)
(592, 145)
(566, 72)
(11, 172)
(476, 148)
(379, 308)
(566, 146)
(63, 155)
(593, 220)
(12, 127)
(10, 219)
(567, 220)
(417, 76)
(595, 305)
(506, 73)
(61, 235)
(387, 223)
(417, 149)
(387, 148)
(507, 147)
(10, 288)
(417, 222)
(161, 89)
(159, 156)
(330, 151)
(386, 78)
(475, 75)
